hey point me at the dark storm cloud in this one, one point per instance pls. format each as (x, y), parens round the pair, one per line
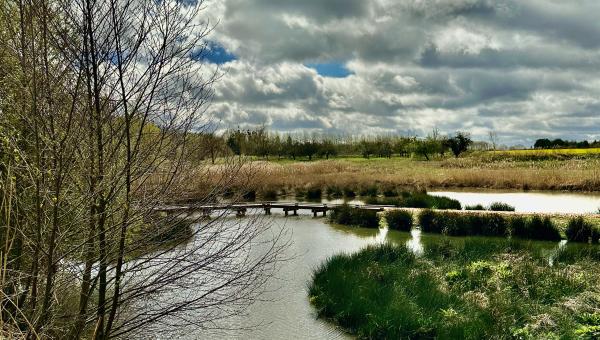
(505, 65)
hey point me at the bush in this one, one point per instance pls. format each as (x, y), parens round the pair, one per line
(474, 207)
(347, 215)
(499, 206)
(535, 228)
(399, 220)
(579, 230)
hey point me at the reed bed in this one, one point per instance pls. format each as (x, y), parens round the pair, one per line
(390, 175)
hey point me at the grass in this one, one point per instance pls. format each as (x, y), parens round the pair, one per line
(350, 216)
(471, 290)
(475, 207)
(417, 200)
(311, 193)
(399, 220)
(580, 230)
(499, 206)
(473, 224)
(351, 175)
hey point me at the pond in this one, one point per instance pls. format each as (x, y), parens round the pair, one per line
(286, 312)
(542, 202)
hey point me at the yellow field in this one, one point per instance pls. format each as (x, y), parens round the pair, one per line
(544, 152)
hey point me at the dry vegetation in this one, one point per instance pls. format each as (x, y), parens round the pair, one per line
(469, 172)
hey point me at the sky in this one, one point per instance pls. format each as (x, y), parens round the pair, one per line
(521, 69)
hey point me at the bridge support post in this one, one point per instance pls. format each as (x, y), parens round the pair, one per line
(296, 209)
(240, 212)
(314, 211)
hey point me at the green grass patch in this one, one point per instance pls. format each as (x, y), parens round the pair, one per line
(476, 290)
(475, 207)
(499, 206)
(399, 220)
(347, 215)
(580, 230)
(417, 200)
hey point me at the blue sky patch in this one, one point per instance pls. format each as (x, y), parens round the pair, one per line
(332, 69)
(217, 54)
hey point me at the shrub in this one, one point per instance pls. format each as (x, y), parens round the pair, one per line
(579, 230)
(399, 220)
(499, 206)
(347, 215)
(474, 207)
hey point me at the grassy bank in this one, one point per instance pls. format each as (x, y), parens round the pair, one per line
(475, 223)
(470, 290)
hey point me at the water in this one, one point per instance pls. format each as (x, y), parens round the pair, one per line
(285, 311)
(541, 202)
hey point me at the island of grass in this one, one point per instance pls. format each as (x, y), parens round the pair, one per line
(472, 289)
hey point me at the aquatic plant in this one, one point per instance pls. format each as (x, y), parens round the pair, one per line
(535, 228)
(399, 220)
(475, 207)
(347, 215)
(580, 230)
(499, 206)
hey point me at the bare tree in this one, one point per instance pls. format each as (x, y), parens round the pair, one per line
(108, 94)
(493, 139)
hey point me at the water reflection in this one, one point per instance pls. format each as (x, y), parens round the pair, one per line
(561, 246)
(415, 244)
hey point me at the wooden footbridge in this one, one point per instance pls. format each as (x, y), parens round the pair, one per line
(241, 208)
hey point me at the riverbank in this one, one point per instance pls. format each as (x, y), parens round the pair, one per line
(471, 289)
(359, 174)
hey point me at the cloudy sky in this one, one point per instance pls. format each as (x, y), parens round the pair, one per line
(523, 69)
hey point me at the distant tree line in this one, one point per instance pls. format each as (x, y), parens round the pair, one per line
(264, 144)
(545, 143)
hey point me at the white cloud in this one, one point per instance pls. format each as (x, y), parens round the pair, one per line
(524, 69)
